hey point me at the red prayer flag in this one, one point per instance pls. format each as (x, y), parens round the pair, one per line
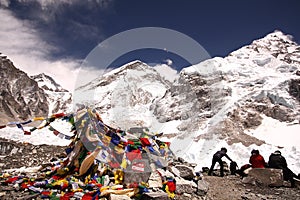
(58, 115)
(3, 126)
(27, 133)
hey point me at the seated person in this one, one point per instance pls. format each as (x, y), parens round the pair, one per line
(256, 160)
(277, 161)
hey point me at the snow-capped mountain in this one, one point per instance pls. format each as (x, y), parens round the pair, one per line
(124, 95)
(23, 97)
(47, 83)
(227, 101)
(59, 99)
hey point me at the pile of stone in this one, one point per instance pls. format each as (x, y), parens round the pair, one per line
(189, 184)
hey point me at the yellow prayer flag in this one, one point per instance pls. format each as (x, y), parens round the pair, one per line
(38, 118)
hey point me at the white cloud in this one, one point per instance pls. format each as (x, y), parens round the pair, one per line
(45, 4)
(21, 43)
(169, 62)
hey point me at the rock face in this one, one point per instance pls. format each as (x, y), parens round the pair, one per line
(294, 88)
(21, 96)
(59, 99)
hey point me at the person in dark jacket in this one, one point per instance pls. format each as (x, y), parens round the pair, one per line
(277, 161)
(217, 157)
(256, 160)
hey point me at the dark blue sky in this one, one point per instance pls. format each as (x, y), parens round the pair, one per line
(76, 27)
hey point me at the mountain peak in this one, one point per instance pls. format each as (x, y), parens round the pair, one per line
(279, 35)
(275, 40)
(134, 65)
(47, 83)
(276, 44)
(58, 98)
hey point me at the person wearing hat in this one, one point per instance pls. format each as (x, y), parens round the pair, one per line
(277, 161)
(217, 157)
(256, 160)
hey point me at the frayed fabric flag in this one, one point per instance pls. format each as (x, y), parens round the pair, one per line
(27, 133)
(61, 136)
(13, 123)
(51, 128)
(38, 119)
(2, 126)
(20, 127)
(33, 129)
(27, 122)
(67, 137)
(58, 115)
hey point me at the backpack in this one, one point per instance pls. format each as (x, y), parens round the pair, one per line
(233, 167)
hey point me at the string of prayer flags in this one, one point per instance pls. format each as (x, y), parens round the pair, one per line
(46, 122)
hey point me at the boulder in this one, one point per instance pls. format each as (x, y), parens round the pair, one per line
(165, 173)
(118, 197)
(202, 187)
(186, 172)
(267, 176)
(155, 195)
(185, 186)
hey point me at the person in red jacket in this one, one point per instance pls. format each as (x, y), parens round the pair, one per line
(256, 160)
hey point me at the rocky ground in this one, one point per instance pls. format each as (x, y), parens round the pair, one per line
(16, 155)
